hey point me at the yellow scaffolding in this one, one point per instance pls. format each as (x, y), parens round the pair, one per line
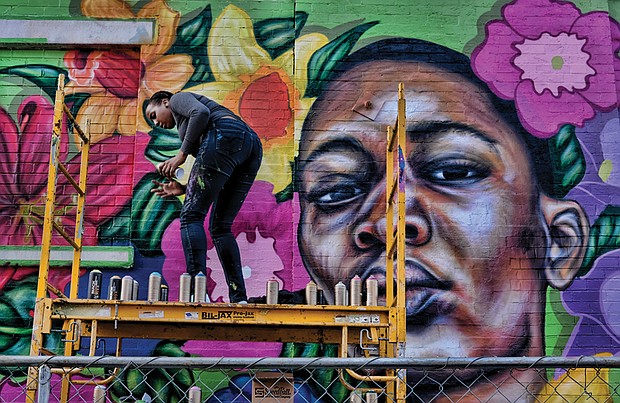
(396, 151)
(380, 329)
(49, 223)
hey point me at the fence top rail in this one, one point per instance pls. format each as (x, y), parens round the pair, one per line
(311, 363)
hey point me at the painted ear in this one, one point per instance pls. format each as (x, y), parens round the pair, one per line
(568, 230)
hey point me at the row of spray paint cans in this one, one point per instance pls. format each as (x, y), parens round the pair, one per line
(314, 296)
(126, 288)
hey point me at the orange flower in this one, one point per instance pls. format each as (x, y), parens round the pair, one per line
(119, 81)
(265, 92)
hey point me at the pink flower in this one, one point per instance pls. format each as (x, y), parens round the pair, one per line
(24, 159)
(265, 234)
(556, 63)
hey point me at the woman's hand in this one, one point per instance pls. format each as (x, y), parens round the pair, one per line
(167, 168)
(167, 189)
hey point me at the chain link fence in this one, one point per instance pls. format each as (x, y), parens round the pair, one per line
(275, 380)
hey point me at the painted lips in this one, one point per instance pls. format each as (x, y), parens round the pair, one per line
(427, 297)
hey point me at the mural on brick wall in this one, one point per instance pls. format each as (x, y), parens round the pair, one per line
(511, 174)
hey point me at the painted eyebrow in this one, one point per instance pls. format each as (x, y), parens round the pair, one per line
(416, 131)
(338, 144)
(423, 130)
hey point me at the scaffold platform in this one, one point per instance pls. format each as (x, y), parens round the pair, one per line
(377, 330)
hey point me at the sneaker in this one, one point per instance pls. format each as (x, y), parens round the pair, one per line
(243, 302)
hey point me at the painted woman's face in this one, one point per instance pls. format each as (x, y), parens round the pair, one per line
(473, 227)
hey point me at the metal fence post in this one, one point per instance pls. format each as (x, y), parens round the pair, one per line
(43, 391)
(195, 395)
(99, 394)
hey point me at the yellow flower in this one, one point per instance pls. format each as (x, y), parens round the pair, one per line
(578, 385)
(267, 93)
(119, 81)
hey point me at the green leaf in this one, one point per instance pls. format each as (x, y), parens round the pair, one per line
(136, 382)
(604, 237)
(43, 75)
(285, 194)
(161, 384)
(75, 101)
(559, 324)
(115, 229)
(178, 381)
(16, 303)
(150, 216)
(567, 161)
(277, 35)
(144, 220)
(325, 59)
(169, 348)
(162, 146)
(192, 39)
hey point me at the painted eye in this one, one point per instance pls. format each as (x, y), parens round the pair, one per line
(339, 195)
(330, 194)
(455, 172)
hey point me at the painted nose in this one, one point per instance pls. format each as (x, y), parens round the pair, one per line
(372, 233)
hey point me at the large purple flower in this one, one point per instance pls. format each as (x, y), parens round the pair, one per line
(594, 298)
(556, 63)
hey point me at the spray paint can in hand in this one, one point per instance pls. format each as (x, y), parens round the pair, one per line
(185, 287)
(126, 288)
(340, 291)
(200, 287)
(356, 291)
(154, 287)
(311, 293)
(114, 292)
(94, 284)
(272, 291)
(372, 291)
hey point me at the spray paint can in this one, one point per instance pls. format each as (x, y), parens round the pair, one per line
(372, 291)
(371, 397)
(179, 174)
(126, 288)
(320, 297)
(163, 293)
(311, 293)
(340, 291)
(272, 291)
(114, 292)
(134, 290)
(356, 291)
(154, 287)
(99, 394)
(94, 284)
(195, 395)
(200, 287)
(185, 287)
(355, 397)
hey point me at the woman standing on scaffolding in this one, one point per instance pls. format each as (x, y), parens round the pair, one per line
(228, 155)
